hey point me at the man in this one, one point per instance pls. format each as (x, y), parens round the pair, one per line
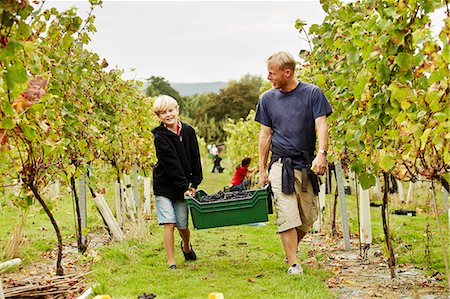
(290, 114)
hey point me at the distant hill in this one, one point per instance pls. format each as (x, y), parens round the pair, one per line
(188, 89)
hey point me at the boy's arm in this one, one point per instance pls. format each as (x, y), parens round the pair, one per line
(197, 173)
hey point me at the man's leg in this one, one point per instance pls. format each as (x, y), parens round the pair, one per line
(169, 243)
(289, 240)
(300, 235)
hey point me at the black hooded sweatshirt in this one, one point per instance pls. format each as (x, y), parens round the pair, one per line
(179, 165)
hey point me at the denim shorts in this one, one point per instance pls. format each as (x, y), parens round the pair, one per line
(172, 211)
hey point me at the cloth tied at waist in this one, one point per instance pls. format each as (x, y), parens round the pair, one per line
(287, 172)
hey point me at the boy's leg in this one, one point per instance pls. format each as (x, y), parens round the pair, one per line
(182, 214)
(166, 216)
(185, 235)
(169, 246)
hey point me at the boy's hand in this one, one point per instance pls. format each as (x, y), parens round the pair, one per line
(188, 193)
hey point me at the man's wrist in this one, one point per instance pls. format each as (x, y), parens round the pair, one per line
(323, 152)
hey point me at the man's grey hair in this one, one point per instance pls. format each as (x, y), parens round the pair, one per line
(284, 59)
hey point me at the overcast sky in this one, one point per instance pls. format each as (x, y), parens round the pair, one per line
(202, 41)
(195, 41)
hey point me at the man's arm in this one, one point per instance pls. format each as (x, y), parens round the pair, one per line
(319, 164)
(265, 138)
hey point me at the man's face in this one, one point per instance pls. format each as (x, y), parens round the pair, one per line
(169, 117)
(277, 76)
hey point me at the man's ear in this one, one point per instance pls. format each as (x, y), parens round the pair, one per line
(287, 73)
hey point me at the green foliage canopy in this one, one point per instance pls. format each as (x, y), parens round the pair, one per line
(387, 79)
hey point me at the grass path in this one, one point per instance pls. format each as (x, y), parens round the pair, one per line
(239, 261)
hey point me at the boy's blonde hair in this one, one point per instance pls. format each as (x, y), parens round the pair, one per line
(284, 59)
(164, 103)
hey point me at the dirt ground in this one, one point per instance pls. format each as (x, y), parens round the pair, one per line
(356, 277)
(39, 280)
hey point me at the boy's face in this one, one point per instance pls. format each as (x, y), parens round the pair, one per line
(169, 117)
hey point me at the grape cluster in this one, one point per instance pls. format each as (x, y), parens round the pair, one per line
(222, 196)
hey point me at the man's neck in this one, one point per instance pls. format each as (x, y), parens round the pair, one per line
(290, 86)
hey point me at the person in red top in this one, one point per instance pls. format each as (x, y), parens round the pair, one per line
(239, 181)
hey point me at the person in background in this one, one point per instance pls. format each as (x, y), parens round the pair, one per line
(291, 114)
(216, 160)
(176, 175)
(241, 178)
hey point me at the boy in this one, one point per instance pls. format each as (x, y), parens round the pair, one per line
(176, 175)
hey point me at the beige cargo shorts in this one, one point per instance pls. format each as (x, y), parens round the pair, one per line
(295, 210)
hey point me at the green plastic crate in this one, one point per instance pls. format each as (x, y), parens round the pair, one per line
(229, 212)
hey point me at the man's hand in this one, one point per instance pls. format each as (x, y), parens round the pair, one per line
(319, 164)
(263, 178)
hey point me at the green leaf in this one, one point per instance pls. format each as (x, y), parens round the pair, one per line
(441, 117)
(67, 41)
(28, 131)
(387, 163)
(404, 60)
(353, 54)
(8, 109)
(424, 138)
(366, 180)
(299, 24)
(446, 155)
(7, 123)
(398, 92)
(15, 74)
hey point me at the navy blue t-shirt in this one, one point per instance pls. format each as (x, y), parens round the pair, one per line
(291, 116)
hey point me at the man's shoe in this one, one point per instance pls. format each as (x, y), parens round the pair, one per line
(188, 256)
(295, 270)
(173, 267)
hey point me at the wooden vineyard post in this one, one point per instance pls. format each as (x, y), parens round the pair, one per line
(365, 229)
(352, 177)
(377, 185)
(419, 182)
(2, 295)
(82, 205)
(446, 205)
(10, 263)
(441, 235)
(401, 194)
(344, 217)
(410, 193)
(445, 197)
(128, 200)
(5, 265)
(147, 192)
(118, 205)
(129, 195)
(321, 205)
(136, 185)
(102, 206)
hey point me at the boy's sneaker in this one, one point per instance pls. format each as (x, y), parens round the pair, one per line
(295, 270)
(173, 267)
(188, 256)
